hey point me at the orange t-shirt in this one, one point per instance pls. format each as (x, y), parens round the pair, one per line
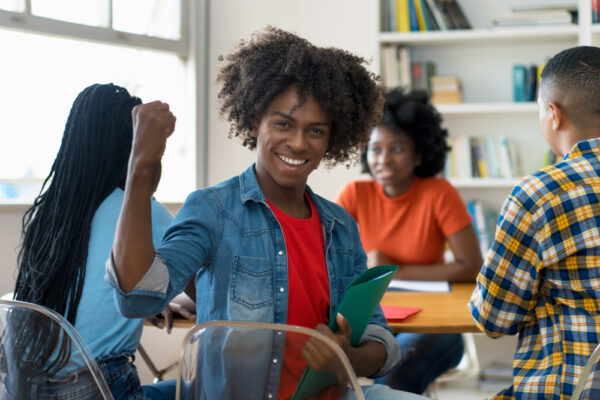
(411, 228)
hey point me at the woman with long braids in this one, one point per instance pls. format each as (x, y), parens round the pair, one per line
(67, 236)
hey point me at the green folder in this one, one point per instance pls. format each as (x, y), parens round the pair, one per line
(360, 300)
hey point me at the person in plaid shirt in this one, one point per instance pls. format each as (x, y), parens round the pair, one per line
(541, 276)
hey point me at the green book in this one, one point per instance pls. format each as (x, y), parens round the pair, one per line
(361, 298)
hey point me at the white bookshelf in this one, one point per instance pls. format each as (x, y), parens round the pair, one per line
(487, 36)
(482, 58)
(483, 183)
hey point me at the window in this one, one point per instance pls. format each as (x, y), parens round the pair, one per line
(52, 50)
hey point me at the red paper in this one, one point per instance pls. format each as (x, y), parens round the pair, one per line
(399, 313)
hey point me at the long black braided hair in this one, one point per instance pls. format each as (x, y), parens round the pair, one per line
(91, 163)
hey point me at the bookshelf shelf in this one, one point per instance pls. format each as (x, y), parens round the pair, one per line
(488, 183)
(484, 61)
(492, 35)
(487, 108)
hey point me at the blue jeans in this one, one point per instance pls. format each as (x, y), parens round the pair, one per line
(118, 371)
(424, 358)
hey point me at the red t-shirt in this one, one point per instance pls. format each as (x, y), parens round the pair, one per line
(308, 287)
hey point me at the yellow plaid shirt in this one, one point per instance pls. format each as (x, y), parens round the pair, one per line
(541, 276)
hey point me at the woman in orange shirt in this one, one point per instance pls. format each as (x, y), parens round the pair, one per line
(406, 215)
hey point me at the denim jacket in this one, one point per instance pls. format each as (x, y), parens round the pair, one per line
(228, 238)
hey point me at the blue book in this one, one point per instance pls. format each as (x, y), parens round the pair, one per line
(519, 83)
(414, 21)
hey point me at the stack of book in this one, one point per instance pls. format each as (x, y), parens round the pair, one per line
(445, 90)
(542, 15)
(422, 15)
(486, 157)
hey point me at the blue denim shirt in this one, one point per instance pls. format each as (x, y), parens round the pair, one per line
(228, 238)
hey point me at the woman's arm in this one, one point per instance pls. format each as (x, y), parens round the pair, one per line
(465, 267)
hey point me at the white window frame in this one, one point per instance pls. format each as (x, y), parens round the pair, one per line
(192, 47)
(26, 21)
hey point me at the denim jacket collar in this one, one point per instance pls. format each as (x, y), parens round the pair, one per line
(250, 190)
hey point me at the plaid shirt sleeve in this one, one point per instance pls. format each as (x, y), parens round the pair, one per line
(505, 295)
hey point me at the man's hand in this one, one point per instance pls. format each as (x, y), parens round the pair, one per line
(181, 306)
(153, 123)
(321, 357)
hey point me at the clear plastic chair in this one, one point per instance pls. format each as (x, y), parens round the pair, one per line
(38, 349)
(244, 360)
(588, 384)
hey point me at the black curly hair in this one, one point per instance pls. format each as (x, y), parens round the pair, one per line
(272, 60)
(412, 113)
(571, 78)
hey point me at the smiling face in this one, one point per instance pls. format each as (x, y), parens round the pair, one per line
(392, 159)
(291, 141)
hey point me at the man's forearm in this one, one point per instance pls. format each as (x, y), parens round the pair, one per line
(367, 359)
(133, 250)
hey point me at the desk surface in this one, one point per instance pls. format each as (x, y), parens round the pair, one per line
(441, 312)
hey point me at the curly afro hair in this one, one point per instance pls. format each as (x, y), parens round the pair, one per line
(412, 114)
(272, 60)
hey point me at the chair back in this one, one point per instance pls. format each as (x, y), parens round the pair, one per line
(39, 350)
(246, 360)
(588, 384)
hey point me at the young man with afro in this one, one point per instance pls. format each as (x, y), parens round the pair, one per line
(262, 246)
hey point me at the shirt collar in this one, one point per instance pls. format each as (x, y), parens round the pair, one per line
(584, 147)
(251, 191)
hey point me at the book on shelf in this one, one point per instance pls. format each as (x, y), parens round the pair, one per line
(492, 157)
(534, 17)
(454, 14)
(412, 12)
(519, 81)
(437, 16)
(484, 221)
(396, 67)
(394, 16)
(531, 83)
(402, 16)
(421, 73)
(421, 15)
(445, 89)
(595, 11)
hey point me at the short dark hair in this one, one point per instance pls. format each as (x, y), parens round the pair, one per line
(412, 113)
(272, 60)
(571, 78)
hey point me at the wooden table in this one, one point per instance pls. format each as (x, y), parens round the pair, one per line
(441, 312)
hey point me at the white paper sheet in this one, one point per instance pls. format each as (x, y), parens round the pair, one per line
(419, 286)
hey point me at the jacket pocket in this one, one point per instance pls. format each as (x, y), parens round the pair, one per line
(252, 282)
